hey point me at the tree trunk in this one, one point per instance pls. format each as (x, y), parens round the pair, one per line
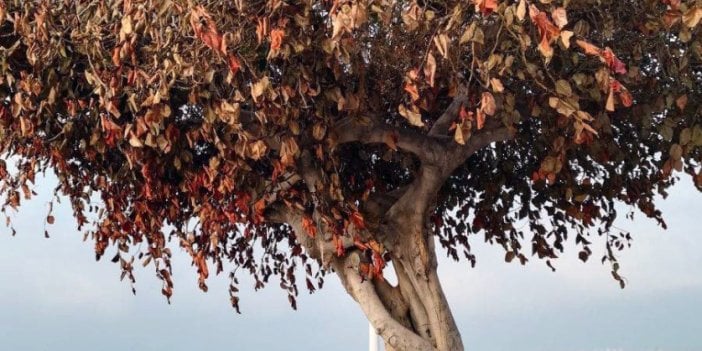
(414, 315)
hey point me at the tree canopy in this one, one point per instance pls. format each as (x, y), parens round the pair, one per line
(266, 136)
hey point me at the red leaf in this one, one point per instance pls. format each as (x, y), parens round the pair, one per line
(626, 98)
(357, 220)
(485, 6)
(411, 89)
(309, 226)
(234, 64)
(339, 245)
(613, 62)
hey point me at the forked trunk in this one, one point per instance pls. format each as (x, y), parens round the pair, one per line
(414, 314)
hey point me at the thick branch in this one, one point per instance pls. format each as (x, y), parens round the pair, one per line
(418, 312)
(427, 149)
(394, 333)
(393, 301)
(426, 286)
(495, 132)
(442, 125)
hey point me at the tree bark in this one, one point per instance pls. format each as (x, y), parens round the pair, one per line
(414, 314)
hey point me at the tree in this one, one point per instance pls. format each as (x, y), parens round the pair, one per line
(267, 136)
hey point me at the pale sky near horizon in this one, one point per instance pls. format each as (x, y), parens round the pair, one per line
(54, 296)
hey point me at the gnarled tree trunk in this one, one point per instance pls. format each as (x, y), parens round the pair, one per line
(414, 314)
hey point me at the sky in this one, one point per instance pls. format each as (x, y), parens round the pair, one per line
(54, 296)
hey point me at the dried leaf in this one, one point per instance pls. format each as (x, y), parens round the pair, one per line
(496, 85)
(441, 42)
(560, 17)
(277, 36)
(521, 10)
(692, 17)
(566, 35)
(487, 103)
(681, 102)
(589, 48)
(260, 87)
(430, 69)
(412, 115)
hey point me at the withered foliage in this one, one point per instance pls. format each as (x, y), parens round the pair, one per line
(187, 121)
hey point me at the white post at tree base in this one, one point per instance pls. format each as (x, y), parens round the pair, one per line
(372, 338)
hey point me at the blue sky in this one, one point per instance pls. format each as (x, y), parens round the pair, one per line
(54, 296)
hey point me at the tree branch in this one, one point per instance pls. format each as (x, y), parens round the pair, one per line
(428, 149)
(490, 134)
(442, 124)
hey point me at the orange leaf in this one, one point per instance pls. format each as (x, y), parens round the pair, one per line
(626, 98)
(309, 226)
(411, 89)
(692, 17)
(610, 101)
(674, 4)
(485, 6)
(205, 29)
(277, 36)
(671, 17)
(261, 29)
(589, 48)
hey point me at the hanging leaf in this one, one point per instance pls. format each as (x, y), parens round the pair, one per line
(430, 69)
(412, 115)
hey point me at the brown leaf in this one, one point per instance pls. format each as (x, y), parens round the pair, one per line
(257, 149)
(430, 69)
(441, 42)
(480, 119)
(610, 101)
(260, 87)
(692, 17)
(681, 102)
(496, 85)
(487, 103)
(391, 140)
(412, 115)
